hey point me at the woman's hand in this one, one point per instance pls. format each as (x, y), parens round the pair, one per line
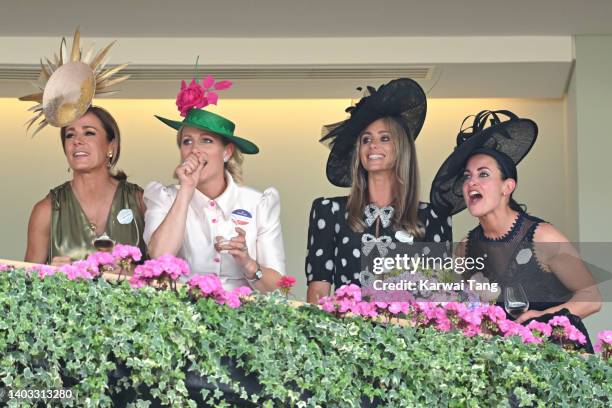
(530, 314)
(237, 248)
(188, 172)
(60, 260)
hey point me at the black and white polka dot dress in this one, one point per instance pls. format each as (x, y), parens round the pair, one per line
(335, 251)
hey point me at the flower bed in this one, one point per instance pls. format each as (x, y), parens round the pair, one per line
(113, 344)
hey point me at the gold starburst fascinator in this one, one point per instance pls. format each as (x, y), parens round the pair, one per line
(69, 83)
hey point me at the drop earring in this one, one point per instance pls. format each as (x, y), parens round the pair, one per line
(110, 159)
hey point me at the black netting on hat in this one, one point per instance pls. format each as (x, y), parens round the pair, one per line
(514, 137)
(402, 99)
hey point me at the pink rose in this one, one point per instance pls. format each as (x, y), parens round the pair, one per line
(191, 97)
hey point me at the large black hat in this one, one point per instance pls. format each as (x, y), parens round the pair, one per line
(402, 99)
(512, 137)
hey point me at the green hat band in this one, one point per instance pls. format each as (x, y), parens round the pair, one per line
(214, 123)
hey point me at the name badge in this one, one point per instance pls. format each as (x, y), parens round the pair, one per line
(125, 216)
(403, 236)
(241, 217)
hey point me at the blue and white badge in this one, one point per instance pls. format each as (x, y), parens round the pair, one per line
(125, 216)
(241, 217)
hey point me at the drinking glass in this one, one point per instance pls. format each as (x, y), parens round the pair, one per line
(515, 300)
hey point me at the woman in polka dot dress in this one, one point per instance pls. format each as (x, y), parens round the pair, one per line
(373, 153)
(517, 248)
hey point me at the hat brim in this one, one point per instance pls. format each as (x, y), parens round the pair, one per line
(244, 145)
(402, 99)
(515, 138)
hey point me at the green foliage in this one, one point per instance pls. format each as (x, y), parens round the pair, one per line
(58, 333)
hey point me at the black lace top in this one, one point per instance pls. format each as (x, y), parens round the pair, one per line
(511, 260)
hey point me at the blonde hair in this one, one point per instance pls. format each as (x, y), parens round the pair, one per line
(233, 165)
(405, 186)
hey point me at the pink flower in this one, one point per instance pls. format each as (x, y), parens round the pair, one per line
(443, 324)
(327, 304)
(43, 270)
(365, 309)
(471, 331)
(381, 306)
(227, 298)
(197, 96)
(221, 85)
(531, 339)
(605, 336)
(561, 321)
(166, 266)
(351, 291)
(127, 252)
(191, 97)
(101, 259)
(576, 335)
(4, 268)
(208, 284)
(286, 282)
(243, 291)
(604, 344)
(345, 305)
(84, 269)
(398, 307)
(212, 97)
(136, 282)
(494, 313)
(544, 329)
(471, 317)
(208, 81)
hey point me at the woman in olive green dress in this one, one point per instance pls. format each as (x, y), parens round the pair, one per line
(96, 202)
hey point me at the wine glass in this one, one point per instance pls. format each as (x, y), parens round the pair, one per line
(515, 300)
(225, 232)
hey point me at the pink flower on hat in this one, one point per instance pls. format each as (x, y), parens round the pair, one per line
(190, 97)
(199, 95)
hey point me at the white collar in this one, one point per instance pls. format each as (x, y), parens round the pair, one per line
(226, 199)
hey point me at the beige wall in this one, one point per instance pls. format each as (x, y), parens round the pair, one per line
(592, 105)
(291, 160)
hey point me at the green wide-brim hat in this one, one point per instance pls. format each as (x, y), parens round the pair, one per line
(214, 123)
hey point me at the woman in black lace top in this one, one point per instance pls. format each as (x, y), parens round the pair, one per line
(518, 249)
(373, 153)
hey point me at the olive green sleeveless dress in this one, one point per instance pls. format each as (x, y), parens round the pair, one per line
(71, 232)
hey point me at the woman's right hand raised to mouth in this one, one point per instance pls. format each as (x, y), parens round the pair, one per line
(188, 172)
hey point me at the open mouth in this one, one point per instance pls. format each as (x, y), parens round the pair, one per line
(78, 155)
(376, 157)
(474, 197)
